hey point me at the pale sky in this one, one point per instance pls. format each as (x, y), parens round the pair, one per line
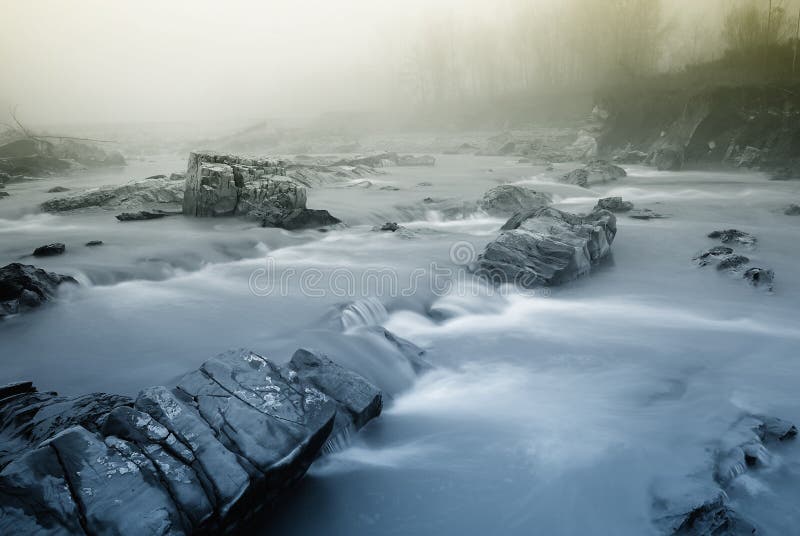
(123, 60)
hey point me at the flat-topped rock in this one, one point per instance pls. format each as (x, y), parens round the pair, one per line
(547, 247)
(595, 172)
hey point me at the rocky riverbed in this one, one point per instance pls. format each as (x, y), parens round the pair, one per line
(516, 407)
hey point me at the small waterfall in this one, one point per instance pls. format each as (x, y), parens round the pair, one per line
(364, 312)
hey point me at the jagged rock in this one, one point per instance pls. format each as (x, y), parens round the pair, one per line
(92, 243)
(668, 159)
(595, 172)
(547, 247)
(732, 262)
(645, 214)
(57, 189)
(143, 215)
(792, 210)
(134, 195)
(760, 277)
(508, 199)
(49, 250)
(629, 155)
(227, 185)
(613, 204)
(772, 428)
(204, 457)
(30, 417)
(734, 235)
(713, 255)
(388, 226)
(411, 160)
(23, 286)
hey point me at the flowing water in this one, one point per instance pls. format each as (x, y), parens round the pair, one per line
(553, 412)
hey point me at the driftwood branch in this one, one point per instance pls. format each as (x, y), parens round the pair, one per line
(38, 137)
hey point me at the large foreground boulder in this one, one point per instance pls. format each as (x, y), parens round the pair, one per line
(547, 247)
(204, 457)
(508, 199)
(23, 286)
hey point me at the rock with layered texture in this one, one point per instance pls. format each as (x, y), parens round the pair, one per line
(228, 185)
(134, 195)
(23, 287)
(547, 247)
(614, 204)
(508, 199)
(203, 457)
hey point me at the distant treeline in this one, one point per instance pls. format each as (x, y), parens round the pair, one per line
(581, 45)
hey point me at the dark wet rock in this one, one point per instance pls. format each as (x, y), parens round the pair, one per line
(155, 177)
(713, 255)
(307, 218)
(760, 277)
(57, 190)
(792, 210)
(357, 401)
(56, 248)
(714, 518)
(16, 388)
(786, 173)
(93, 243)
(733, 235)
(144, 215)
(547, 247)
(732, 262)
(228, 441)
(389, 188)
(31, 417)
(389, 226)
(645, 214)
(668, 159)
(595, 172)
(411, 160)
(614, 204)
(23, 287)
(508, 199)
(4, 194)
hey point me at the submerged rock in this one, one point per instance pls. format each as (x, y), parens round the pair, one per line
(547, 247)
(49, 250)
(733, 235)
(57, 189)
(713, 255)
(732, 262)
(388, 226)
(204, 457)
(792, 210)
(614, 204)
(508, 199)
(760, 277)
(144, 215)
(595, 172)
(92, 243)
(645, 214)
(23, 286)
